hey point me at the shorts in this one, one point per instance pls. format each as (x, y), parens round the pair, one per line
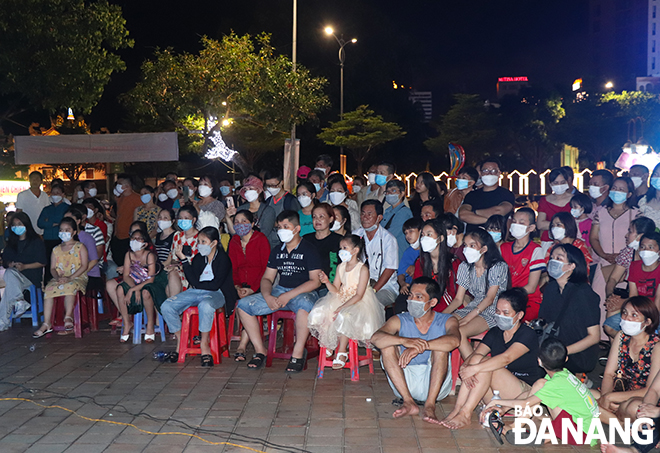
(613, 322)
(418, 378)
(255, 304)
(556, 426)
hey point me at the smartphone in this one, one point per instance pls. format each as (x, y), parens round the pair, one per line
(230, 201)
(185, 194)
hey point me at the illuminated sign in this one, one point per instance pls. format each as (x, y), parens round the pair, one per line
(577, 84)
(11, 188)
(513, 79)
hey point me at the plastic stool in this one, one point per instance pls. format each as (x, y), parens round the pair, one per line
(140, 320)
(218, 335)
(77, 318)
(36, 307)
(288, 329)
(232, 322)
(354, 363)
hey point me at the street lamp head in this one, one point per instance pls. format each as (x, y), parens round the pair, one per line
(329, 31)
(609, 85)
(354, 40)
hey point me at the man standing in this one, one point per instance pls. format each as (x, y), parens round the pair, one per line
(396, 213)
(376, 190)
(33, 200)
(279, 199)
(382, 252)
(324, 164)
(127, 202)
(415, 348)
(600, 184)
(491, 199)
(640, 178)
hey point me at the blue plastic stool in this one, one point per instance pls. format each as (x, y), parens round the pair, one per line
(36, 307)
(140, 320)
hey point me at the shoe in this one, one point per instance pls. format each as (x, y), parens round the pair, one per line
(21, 307)
(207, 360)
(340, 361)
(149, 337)
(43, 330)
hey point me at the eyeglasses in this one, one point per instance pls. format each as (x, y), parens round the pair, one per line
(490, 171)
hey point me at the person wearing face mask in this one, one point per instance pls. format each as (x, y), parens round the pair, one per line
(280, 199)
(465, 183)
(324, 164)
(339, 197)
(426, 189)
(33, 200)
(600, 184)
(412, 230)
(496, 227)
(166, 194)
(307, 200)
(505, 360)
(350, 310)
(89, 190)
(94, 251)
(631, 357)
(649, 204)
(563, 230)
(264, 215)
(489, 200)
(358, 185)
(525, 259)
(127, 202)
(485, 275)
(49, 222)
(68, 265)
(396, 212)
(325, 241)
(189, 194)
(95, 216)
(644, 274)
(317, 178)
(165, 236)
(211, 288)
(384, 173)
(24, 258)
(210, 197)
(570, 303)
(186, 239)
(581, 208)
(558, 201)
(639, 174)
(148, 212)
(298, 265)
(415, 347)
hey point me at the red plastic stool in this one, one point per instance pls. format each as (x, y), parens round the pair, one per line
(232, 323)
(77, 318)
(288, 329)
(190, 328)
(355, 361)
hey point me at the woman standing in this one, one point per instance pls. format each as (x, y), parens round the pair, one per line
(649, 204)
(425, 189)
(264, 215)
(339, 197)
(558, 201)
(148, 212)
(307, 200)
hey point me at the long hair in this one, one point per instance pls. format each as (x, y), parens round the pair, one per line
(345, 215)
(145, 238)
(444, 260)
(574, 256)
(652, 192)
(632, 200)
(492, 255)
(355, 241)
(30, 234)
(431, 184)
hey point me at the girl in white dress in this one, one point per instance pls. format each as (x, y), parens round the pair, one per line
(350, 310)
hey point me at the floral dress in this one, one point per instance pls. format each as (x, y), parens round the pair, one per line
(150, 217)
(67, 262)
(636, 372)
(181, 239)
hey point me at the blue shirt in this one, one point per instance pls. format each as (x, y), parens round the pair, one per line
(398, 216)
(409, 330)
(49, 220)
(408, 259)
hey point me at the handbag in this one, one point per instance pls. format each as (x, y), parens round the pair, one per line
(134, 306)
(621, 382)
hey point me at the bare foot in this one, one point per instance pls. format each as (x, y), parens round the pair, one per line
(429, 415)
(408, 408)
(448, 418)
(461, 420)
(609, 448)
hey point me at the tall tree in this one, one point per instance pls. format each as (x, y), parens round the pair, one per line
(360, 131)
(56, 54)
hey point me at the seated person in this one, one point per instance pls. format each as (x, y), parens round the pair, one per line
(382, 252)
(298, 266)
(581, 208)
(396, 212)
(187, 238)
(512, 366)
(412, 229)
(431, 209)
(496, 227)
(563, 230)
(644, 274)
(564, 395)
(435, 261)
(415, 348)
(325, 241)
(525, 259)
(631, 361)
(209, 274)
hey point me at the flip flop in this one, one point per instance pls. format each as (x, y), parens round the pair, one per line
(496, 426)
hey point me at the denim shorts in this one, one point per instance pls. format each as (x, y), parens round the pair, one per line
(255, 304)
(613, 322)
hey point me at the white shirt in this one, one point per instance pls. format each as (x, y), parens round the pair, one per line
(383, 253)
(32, 206)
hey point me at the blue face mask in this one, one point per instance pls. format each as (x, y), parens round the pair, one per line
(655, 182)
(224, 190)
(18, 229)
(381, 180)
(618, 197)
(496, 235)
(317, 186)
(462, 184)
(392, 198)
(184, 224)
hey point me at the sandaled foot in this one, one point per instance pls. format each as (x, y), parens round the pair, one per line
(207, 360)
(407, 408)
(328, 353)
(43, 330)
(197, 340)
(116, 322)
(68, 326)
(149, 337)
(340, 361)
(173, 357)
(239, 356)
(258, 361)
(296, 365)
(429, 415)
(126, 334)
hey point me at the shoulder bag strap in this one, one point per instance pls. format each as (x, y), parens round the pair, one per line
(555, 327)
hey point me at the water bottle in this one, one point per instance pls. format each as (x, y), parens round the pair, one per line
(496, 396)
(160, 355)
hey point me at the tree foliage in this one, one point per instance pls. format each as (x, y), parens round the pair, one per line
(56, 54)
(360, 131)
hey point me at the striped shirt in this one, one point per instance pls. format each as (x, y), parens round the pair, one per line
(97, 234)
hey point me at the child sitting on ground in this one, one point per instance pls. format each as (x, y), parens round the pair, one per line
(350, 310)
(564, 395)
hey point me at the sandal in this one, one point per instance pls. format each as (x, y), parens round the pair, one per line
(173, 357)
(116, 322)
(296, 365)
(207, 360)
(124, 337)
(328, 353)
(239, 356)
(197, 340)
(340, 361)
(68, 326)
(496, 426)
(41, 332)
(258, 361)
(149, 337)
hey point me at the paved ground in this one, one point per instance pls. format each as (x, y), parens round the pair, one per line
(230, 404)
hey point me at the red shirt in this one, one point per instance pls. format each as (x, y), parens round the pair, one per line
(521, 264)
(579, 243)
(646, 282)
(550, 210)
(450, 288)
(249, 267)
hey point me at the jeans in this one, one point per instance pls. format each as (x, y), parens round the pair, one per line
(255, 304)
(614, 322)
(207, 302)
(15, 284)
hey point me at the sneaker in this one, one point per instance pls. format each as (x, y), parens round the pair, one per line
(21, 307)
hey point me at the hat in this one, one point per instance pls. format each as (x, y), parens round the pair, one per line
(303, 172)
(254, 182)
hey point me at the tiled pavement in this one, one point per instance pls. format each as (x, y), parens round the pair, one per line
(296, 413)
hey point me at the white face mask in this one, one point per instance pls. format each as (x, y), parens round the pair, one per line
(345, 256)
(90, 213)
(172, 193)
(320, 169)
(637, 181)
(560, 189)
(93, 192)
(337, 198)
(518, 230)
(471, 255)
(634, 245)
(372, 178)
(162, 197)
(285, 235)
(356, 189)
(631, 328)
(416, 244)
(204, 191)
(490, 180)
(56, 198)
(304, 201)
(428, 244)
(271, 190)
(164, 224)
(558, 233)
(648, 257)
(250, 195)
(119, 189)
(65, 236)
(577, 212)
(136, 246)
(451, 240)
(81, 195)
(335, 225)
(594, 191)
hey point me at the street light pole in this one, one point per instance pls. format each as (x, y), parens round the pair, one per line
(292, 157)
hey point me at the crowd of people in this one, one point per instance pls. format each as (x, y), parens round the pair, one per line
(356, 259)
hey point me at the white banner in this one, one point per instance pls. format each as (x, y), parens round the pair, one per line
(96, 148)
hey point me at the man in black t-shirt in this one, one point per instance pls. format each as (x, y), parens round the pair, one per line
(298, 265)
(490, 200)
